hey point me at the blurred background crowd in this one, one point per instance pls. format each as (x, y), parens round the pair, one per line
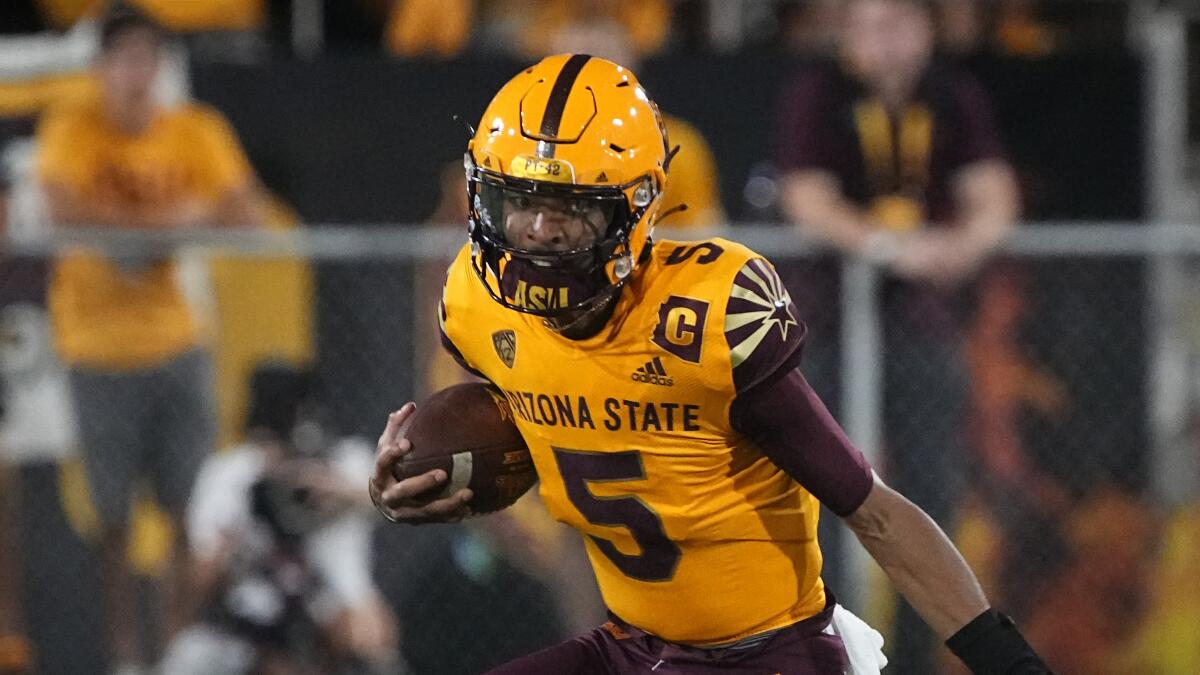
(189, 395)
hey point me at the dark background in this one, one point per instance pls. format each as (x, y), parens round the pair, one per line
(359, 139)
(362, 140)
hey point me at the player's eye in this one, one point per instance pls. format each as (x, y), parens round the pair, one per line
(519, 201)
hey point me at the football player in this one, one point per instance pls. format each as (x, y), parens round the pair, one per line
(656, 385)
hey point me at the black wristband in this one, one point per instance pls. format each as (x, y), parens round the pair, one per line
(991, 645)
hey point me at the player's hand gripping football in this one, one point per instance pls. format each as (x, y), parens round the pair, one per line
(396, 499)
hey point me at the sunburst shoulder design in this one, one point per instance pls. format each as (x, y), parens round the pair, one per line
(758, 299)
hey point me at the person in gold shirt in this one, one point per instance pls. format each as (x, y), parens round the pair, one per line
(656, 385)
(138, 373)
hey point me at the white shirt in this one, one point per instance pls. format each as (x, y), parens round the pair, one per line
(339, 550)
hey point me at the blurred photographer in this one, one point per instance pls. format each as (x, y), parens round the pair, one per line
(281, 538)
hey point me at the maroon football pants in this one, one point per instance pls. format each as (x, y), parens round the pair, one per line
(618, 649)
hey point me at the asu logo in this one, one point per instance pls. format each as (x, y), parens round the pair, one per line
(505, 342)
(539, 297)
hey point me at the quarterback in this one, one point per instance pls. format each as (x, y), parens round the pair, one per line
(656, 385)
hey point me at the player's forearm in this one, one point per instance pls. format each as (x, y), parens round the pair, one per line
(920, 560)
(814, 201)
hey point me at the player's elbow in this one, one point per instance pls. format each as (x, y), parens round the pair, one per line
(875, 520)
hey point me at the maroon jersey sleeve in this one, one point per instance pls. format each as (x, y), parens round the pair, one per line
(774, 406)
(791, 425)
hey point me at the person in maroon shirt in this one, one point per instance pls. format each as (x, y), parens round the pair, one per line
(892, 157)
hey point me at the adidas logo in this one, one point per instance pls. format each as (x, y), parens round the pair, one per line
(652, 373)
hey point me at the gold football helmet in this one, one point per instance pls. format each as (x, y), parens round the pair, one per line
(564, 179)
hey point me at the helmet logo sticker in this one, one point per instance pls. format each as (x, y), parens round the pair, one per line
(505, 342)
(544, 169)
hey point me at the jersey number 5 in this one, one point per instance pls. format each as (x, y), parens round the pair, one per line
(659, 555)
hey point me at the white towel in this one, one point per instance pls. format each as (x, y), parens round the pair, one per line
(864, 645)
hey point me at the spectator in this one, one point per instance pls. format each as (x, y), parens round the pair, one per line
(438, 28)
(895, 159)
(646, 23)
(138, 374)
(221, 30)
(214, 30)
(280, 532)
(209, 15)
(185, 17)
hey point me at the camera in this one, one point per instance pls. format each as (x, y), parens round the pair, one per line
(288, 509)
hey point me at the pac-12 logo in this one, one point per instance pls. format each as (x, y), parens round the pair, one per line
(505, 343)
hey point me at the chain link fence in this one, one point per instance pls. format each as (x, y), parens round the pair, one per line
(1028, 414)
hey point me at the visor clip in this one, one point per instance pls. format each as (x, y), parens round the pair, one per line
(643, 195)
(623, 266)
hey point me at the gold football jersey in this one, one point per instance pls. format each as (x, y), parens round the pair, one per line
(693, 533)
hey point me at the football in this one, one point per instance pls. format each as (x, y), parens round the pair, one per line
(467, 430)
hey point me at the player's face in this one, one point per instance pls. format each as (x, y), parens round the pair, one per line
(554, 224)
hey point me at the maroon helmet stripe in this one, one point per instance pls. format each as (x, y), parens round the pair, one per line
(557, 102)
